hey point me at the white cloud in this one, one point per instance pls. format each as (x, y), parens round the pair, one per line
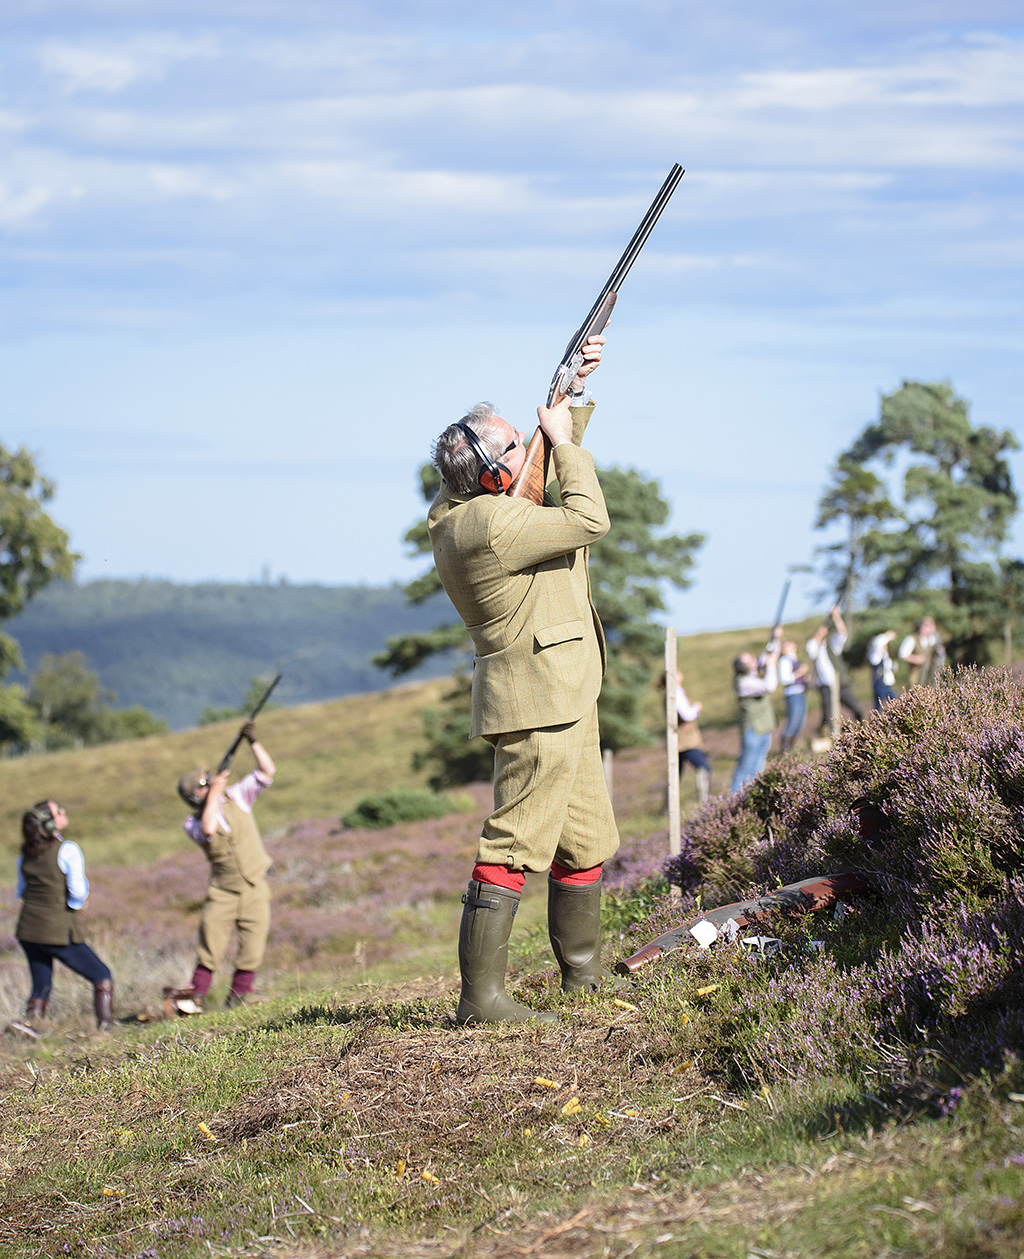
(92, 66)
(981, 74)
(18, 209)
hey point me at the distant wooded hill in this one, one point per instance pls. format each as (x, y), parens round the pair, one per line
(178, 650)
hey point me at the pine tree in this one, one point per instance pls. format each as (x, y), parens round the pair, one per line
(927, 501)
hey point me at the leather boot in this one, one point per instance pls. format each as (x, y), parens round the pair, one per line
(487, 917)
(35, 1010)
(574, 925)
(103, 1003)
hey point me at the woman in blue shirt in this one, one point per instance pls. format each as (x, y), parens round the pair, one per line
(53, 890)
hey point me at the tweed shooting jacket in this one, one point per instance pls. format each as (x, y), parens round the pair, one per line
(517, 575)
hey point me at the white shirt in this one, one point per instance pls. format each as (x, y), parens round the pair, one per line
(71, 864)
(685, 710)
(878, 654)
(907, 646)
(788, 666)
(824, 670)
(749, 684)
(244, 793)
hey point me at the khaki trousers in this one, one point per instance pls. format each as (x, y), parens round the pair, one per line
(223, 912)
(550, 800)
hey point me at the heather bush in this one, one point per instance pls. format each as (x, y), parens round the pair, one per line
(405, 804)
(933, 958)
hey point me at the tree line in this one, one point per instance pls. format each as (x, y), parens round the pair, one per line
(923, 501)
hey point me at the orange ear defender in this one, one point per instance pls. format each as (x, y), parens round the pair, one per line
(491, 472)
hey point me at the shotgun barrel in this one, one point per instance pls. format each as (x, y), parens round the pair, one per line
(778, 613)
(532, 478)
(229, 755)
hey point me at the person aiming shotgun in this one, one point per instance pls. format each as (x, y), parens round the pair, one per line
(238, 895)
(514, 564)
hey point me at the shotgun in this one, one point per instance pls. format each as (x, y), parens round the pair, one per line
(778, 613)
(533, 476)
(229, 755)
(809, 895)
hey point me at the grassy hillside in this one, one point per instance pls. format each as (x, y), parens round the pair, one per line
(125, 810)
(178, 649)
(122, 800)
(716, 1109)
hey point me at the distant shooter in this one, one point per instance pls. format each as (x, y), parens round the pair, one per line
(238, 896)
(53, 891)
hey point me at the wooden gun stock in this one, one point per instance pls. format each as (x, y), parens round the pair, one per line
(533, 476)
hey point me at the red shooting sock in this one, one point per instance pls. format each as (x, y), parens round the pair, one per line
(500, 876)
(201, 980)
(242, 982)
(575, 878)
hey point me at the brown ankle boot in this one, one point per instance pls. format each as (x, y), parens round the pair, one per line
(35, 1012)
(103, 1003)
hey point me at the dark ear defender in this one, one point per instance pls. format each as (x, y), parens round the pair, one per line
(491, 472)
(44, 816)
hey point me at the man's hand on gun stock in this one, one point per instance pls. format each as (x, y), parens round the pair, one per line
(556, 421)
(591, 361)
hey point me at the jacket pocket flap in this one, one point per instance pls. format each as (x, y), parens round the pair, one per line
(548, 635)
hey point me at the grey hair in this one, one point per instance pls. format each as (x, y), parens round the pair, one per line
(456, 460)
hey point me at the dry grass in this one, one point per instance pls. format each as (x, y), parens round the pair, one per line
(376, 1128)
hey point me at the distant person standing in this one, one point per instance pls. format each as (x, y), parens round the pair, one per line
(923, 653)
(754, 680)
(53, 890)
(238, 896)
(691, 742)
(831, 672)
(883, 672)
(793, 680)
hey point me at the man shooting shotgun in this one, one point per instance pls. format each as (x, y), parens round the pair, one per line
(238, 895)
(515, 567)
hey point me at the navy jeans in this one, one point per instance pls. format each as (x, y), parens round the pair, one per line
(77, 957)
(696, 757)
(883, 694)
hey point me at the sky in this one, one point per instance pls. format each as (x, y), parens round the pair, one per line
(254, 257)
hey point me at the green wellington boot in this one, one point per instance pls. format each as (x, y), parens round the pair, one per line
(487, 917)
(574, 925)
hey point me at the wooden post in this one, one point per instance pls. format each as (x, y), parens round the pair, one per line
(1008, 642)
(607, 763)
(672, 747)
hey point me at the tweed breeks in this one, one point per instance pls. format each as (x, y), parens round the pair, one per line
(223, 912)
(550, 800)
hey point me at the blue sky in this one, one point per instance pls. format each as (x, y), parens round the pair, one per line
(254, 257)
